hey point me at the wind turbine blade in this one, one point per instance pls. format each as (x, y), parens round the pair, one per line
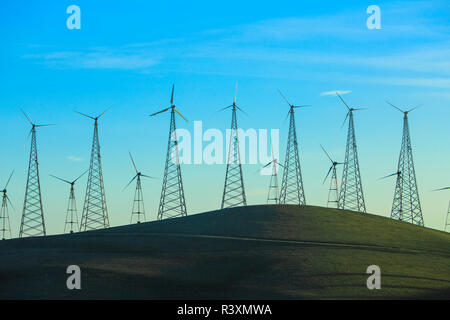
(343, 101)
(345, 119)
(235, 93)
(134, 165)
(45, 125)
(271, 149)
(104, 112)
(130, 182)
(80, 176)
(224, 108)
(413, 109)
(285, 98)
(287, 116)
(327, 154)
(26, 140)
(180, 115)
(7, 198)
(146, 176)
(171, 97)
(327, 175)
(26, 117)
(164, 110)
(242, 111)
(60, 179)
(84, 115)
(267, 165)
(9, 180)
(445, 188)
(390, 175)
(395, 107)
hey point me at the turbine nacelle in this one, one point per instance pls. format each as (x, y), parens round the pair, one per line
(350, 110)
(172, 107)
(333, 163)
(93, 118)
(234, 106)
(291, 106)
(402, 111)
(72, 183)
(139, 174)
(4, 191)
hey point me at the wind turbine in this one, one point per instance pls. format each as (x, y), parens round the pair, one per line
(447, 220)
(292, 190)
(406, 204)
(398, 196)
(71, 214)
(33, 223)
(273, 186)
(95, 211)
(333, 192)
(233, 191)
(172, 203)
(351, 195)
(138, 202)
(4, 215)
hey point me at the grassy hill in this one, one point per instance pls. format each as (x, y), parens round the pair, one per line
(256, 252)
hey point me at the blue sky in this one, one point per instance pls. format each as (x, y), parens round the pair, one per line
(127, 55)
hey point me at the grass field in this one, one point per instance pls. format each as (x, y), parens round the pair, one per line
(256, 252)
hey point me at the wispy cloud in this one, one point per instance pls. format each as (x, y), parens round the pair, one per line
(412, 81)
(75, 159)
(98, 58)
(331, 45)
(332, 93)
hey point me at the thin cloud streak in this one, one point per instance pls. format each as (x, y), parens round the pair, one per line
(256, 43)
(332, 93)
(75, 159)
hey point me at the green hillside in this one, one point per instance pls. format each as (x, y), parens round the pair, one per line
(256, 252)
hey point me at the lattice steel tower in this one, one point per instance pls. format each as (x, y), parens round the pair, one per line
(95, 211)
(233, 191)
(172, 203)
(333, 193)
(447, 219)
(351, 195)
(33, 223)
(4, 214)
(138, 210)
(292, 184)
(406, 203)
(273, 194)
(71, 223)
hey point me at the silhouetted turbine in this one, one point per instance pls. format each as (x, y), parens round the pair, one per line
(172, 203)
(333, 192)
(292, 190)
(71, 213)
(33, 223)
(4, 214)
(406, 203)
(138, 209)
(351, 195)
